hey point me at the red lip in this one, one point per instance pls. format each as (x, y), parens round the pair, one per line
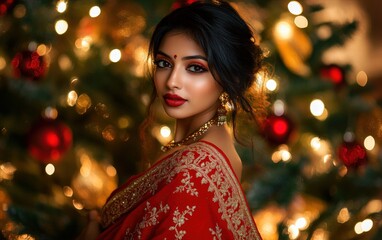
(173, 100)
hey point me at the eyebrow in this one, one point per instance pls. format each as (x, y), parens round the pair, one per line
(186, 57)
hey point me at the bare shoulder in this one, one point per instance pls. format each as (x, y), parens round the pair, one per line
(221, 137)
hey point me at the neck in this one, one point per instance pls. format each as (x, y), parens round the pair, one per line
(187, 126)
(194, 135)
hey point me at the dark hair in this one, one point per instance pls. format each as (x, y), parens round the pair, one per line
(228, 42)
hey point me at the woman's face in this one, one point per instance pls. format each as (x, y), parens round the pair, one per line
(183, 80)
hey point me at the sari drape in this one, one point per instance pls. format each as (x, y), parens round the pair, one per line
(192, 193)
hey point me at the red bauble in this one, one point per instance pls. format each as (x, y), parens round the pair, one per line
(352, 154)
(5, 5)
(277, 129)
(182, 3)
(48, 140)
(29, 65)
(334, 73)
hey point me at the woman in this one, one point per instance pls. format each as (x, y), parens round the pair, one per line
(205, 58)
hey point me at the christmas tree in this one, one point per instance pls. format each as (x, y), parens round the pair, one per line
(73, 93)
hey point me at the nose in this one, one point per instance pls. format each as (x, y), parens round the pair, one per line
(174, 79)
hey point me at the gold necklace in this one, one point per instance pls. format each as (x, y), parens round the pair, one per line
(192, 137)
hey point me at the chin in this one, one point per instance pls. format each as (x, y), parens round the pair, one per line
(175, 114)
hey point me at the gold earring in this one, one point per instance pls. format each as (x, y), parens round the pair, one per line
(222, 109)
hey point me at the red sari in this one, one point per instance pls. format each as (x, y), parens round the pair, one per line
(191, 194)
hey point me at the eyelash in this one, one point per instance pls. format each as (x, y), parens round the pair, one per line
(167, 64)
(159, 61)
(200, 67)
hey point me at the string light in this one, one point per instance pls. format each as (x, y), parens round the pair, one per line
(50, 169)
(61, 6)
(7, 170)
(293, 231)
(115, 55)
(369, 143)
(361, 78)
(71, 98)
(343, 216)
(68, 191)
(111, 171)
(282, 154)
(61, 27)
(84, 43)
(315, 143)
(50, 112)
(94, 11)
(284, 30)
(301, 22)
(83, 103)
(279, 107)
(317, 108)
(295, 7)
(271, 85)
(165, 131)
(364, 226)
(77, 205)
(301, 223)
(42, 49)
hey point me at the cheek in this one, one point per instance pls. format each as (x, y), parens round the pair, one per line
(158, 81)
(206, 89)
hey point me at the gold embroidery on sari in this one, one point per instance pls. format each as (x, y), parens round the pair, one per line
(188, 185)
(179, 219)
(208, 165)
(148, 220)
(216, 233)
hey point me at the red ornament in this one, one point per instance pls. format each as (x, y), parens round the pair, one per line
(181, 3)
(352, 154)
(5, 5)
(334, 73)
(49, 140)
(29, 64)
(277, 129)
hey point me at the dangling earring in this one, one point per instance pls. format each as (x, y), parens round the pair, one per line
(222, 109)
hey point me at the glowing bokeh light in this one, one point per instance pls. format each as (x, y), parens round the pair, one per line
(271, 85)
(284, 30)
(61, 6)
(50, 169)
(369, 143)
(165, 131)
(317, 107)
(61, 27)
(295, 7)
(301, 22)
(361, 78)
(115, 55)
(94, 11)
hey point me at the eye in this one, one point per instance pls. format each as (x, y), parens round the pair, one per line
(161, 63)
(196, 68)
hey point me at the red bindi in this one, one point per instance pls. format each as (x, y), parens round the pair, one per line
(175, 56)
